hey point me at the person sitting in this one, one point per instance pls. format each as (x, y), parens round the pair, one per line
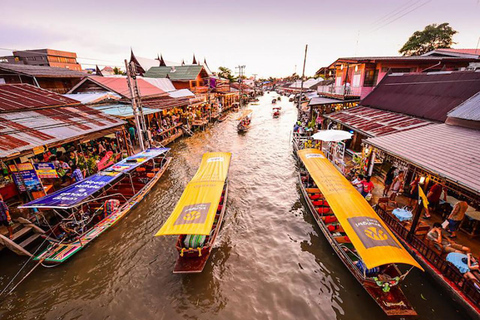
(442, 243)
(465, 263)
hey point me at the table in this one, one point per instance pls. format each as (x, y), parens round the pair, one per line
(470, 222)
(402, 214)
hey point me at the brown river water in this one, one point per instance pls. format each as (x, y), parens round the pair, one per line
(270, 261)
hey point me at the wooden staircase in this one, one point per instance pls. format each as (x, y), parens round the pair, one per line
(187, 131)
(25, 234)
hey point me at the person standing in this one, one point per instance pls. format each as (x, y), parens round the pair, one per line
(397, 185)
(389, 180)
(5, 218)
(413, 192)
(131, 131)
(456, 217)
(367, 188)
(433, 197)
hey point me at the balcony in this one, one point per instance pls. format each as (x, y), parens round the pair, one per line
(340, 92)
(200, 89)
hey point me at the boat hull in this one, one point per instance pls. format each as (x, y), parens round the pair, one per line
(399, 305)
(191, 262)
(57, 253)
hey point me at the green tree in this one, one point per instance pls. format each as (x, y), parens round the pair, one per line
(226, 73)
(117, 70)
(434, 36)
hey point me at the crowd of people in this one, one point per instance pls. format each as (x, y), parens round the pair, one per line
(74, 163)
(441, 235)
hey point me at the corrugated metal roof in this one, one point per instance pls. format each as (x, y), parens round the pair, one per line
(163, 83)
(374, 122)
(321, 100)
(448, 151)
(14, 97)
(468, 110)
(187, 72)
(425, 95)
(93, 97)
(122, 110)
(119, 85)
(24, 128)
(165, 102)
(306, 84)
(182, 93)
(42, 71)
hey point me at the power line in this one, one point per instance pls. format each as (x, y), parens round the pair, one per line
(390, 22)
(394, 12)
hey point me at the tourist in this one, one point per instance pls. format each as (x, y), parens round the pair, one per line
(77, 174)
(397, 185)
(389, 180)
(358, 183)
(5, 218)
(413, 192)
(367, 188)
(472, 264)
(433, 197)
(456, 216)
(442, 243)
(131, 131)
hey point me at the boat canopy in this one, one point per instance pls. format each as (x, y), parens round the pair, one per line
(245, 114)
(75, 194)
(372, 239)
(196, 209)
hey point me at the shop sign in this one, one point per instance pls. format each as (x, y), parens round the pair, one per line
(27, 173)
(46, 170)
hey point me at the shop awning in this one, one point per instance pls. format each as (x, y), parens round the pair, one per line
(451, 152)
(375, 122)
(375, 243)
(123, 111)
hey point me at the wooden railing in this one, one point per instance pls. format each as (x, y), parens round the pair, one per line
(448, 270)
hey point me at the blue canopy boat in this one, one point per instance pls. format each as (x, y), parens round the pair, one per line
(91, 206)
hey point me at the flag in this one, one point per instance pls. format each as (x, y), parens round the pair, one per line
(422, 195)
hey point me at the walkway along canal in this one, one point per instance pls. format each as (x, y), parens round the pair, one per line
(270, 262)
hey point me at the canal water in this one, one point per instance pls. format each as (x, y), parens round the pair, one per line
(270, 261)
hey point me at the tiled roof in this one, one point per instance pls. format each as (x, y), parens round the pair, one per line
(374, 122)
(187, 72)
(41, 71)
(16, 97)
(424, 95)
(448, 151)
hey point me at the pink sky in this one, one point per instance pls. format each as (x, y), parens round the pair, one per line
(265, 35)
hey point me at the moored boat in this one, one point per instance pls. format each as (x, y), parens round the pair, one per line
(276, 112)
(358, 236)
(244, 121)
(198, 215)
(90, 207)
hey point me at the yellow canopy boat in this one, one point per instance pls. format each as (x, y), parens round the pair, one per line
(198, 215)
(358, 235)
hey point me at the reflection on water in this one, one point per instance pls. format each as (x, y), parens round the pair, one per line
(270, 260)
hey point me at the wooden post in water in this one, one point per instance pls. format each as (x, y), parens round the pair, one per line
(416, 218)
(303, 76)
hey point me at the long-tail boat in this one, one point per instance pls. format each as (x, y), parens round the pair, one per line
(276, 112)
(244, 120)
(198, 215)
(91, 206)
(356, 233)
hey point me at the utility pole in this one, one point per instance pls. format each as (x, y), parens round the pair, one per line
(303, 76)
(240, 75)
(136, 104)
